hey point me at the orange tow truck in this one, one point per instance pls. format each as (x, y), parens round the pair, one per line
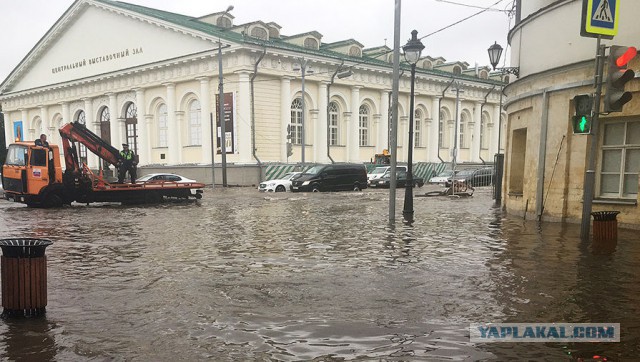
(33, 175)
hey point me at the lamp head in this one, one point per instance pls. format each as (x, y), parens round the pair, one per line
(413, 48)
(495, 51)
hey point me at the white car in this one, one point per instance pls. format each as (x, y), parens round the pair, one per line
(282, 184)
(379, 171)
(441, 178)
(170, 177)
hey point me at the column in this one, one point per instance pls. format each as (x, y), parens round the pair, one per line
(321, 124)
(353, 136)
(285, 115)
(143, 135)
(205, 116)
(148, 121)
(179, 119)
(434, 131)
(493, 147)
(8, 128)
(44, 126)
(114, 121)
(93, 161)
(242, 119)
(403, 135)
(475, 133)
(26, 125)
(66, 118)
(383, 125)
(173, 142)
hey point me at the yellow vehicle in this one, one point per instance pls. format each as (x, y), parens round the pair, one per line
(383, 158)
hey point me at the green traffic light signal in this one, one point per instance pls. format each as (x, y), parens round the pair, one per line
(581, 124)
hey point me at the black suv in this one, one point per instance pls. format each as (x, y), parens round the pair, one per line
(333, 177)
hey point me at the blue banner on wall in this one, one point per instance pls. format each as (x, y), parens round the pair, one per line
(18, 131)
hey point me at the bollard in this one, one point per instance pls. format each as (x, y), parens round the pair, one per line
(605, 226)
(24, 276)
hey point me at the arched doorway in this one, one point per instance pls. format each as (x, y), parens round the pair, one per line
(105, 130)
(81, 118)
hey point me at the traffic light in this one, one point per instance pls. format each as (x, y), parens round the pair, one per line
(289, 149)
(617, 76)
(582, 120)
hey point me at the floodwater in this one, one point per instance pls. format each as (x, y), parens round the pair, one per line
(245, 276)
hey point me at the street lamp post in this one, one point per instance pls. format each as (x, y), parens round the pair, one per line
(223, 131)
(495, 51)
(303, 69)
(412, 51)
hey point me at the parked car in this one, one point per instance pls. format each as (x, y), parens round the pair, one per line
(281, 184)
(441, 178)
(401, 180)
(474, 178)
(379, 171)
(169, 177)
(333, 177)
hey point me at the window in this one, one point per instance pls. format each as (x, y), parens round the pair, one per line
(354, 51)
(483, 132)
(223, 22)
(461, 131)
(443, 115)
(163, 125)
(296, 121)
(311, 43)
(259, 33)
(620, 159)
(38, 158)
(417, 129)
(457, 70)
(81, 119)
(364, 125)
(131, 123)
(105, 116)
(195, 123)
(334, 122)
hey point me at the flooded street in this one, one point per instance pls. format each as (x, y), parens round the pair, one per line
(243, 276)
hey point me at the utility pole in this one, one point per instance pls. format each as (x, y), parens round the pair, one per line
(223, 140)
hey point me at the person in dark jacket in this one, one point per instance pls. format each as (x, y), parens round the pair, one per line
(42, 141)
(127, 164)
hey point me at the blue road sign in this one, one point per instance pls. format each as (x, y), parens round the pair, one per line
(600, 17)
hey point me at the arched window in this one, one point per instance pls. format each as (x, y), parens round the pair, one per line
(334, 122)
(457, 70)
(131, 122)
(296, 121)
(483, 132)
(105, 129)
(417, 128)
(259, 33)
(354, 51)
(195, 123)
(484, 74)
(462, 130)
(105, 116)
(163, 126)
(364, 125)
(223, 22)
(81, 119)
(274, 33)
(311, 43)
(443, 115)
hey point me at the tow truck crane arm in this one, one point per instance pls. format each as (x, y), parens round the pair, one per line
(76, 132)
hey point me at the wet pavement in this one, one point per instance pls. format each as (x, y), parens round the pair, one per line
(244, 276)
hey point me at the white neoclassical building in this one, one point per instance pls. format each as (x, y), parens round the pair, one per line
(545, 163)
(150, 78)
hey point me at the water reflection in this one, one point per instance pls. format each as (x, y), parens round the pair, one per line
(244, 276)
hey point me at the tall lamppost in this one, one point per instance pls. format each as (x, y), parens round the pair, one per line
(412, 51)
(303, 69)
(223, 121)
(495, 51)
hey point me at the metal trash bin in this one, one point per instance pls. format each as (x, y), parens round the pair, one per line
(24, 276)
(605, 226)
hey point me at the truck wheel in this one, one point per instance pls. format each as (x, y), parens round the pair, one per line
(52, 200)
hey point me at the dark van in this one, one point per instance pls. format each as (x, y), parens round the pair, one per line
(333, 177)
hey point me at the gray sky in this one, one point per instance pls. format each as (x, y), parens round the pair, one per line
(24, 22)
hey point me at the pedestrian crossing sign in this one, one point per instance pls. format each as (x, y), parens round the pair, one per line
(600, 18)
